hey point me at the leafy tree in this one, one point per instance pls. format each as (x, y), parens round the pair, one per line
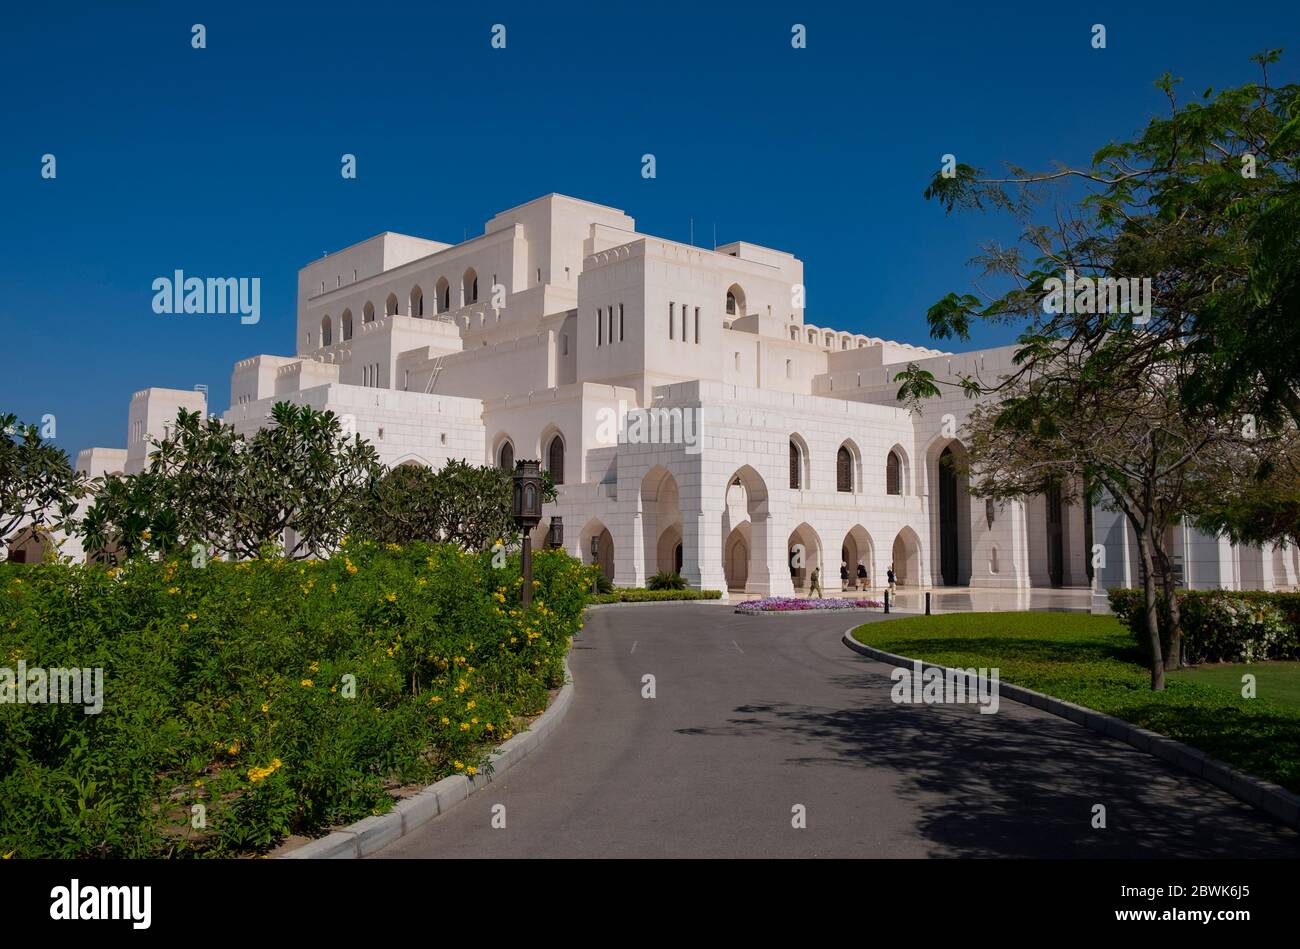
(299, 478)
(37, 483)
(1087, 424)
(1205, 204)
(467, 505)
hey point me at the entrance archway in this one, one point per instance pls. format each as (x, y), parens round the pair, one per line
(906, 558)
(952, 514)
(746, 504)
(602, 555)
(661, 519)
(735, 557)
(803, 555)
(858, 548)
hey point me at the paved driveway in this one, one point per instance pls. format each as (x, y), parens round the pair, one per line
(755, 715)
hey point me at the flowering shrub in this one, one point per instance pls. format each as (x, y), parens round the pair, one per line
(784, 604)
(246, 701)
(639, 595)
(1221, 625)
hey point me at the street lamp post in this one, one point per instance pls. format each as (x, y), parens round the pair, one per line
(555, 536)
(595, 561)
(527, 509)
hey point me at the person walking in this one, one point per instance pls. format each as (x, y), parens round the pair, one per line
(844, 575)
(815, 583)
(863, 580)
(893, 581)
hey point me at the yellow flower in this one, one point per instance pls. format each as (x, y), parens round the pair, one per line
(234, 748)
(458, 765)
(471, 770)
(314, 667)
(191, 615)
(146, 535)
(434, 698)
(174, 590)
(334, 588)
(464, 726)
(469, 704)
(185, 627)
(7, 856)
(266, 706)
(488, 726)
(474, 720)
(446, 720)
(306, 683)
(391, 598)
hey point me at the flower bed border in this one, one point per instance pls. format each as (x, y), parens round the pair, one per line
(374, 833)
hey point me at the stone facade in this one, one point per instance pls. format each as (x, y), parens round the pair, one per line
(550, 334)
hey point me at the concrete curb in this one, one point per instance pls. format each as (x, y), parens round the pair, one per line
(1274, 800)
(374, 833)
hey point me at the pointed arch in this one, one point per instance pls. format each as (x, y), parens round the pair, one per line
(469, 286)
(442, 295)
(859, 549)
(326, 330)
(734, 305)
(803, 555)
(800, 463)
(898, 471)
(848, 467)
(503, 453)
(346, 325)
(417, 301)
(368, 313)
(553, 452)
(601, 553)
(390, 305)
(905, 558)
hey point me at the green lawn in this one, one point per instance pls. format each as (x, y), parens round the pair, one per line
(1279, 682)
(1093, 661)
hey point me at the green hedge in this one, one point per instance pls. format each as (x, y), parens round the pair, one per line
(229, 687)
(1220, 625)
(639, 595)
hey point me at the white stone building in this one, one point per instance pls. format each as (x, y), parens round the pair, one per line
(539, 338)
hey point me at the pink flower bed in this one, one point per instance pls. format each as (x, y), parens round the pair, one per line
(790, 604)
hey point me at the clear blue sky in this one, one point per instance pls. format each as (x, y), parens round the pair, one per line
(225, 161)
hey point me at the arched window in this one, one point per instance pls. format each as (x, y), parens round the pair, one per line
(893, 474)
(417, 301)
(796, 467)
(442, 295)
(844, 469)
(555, 459)
(735, 300)
(506, 456)
(368, 313)
(326, 331)
(469, 286)
(390, 307)
(346, 327)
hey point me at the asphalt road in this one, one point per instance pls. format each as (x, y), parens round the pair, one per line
(755, 715)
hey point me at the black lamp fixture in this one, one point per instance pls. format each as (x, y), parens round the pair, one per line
(988, 512)
(527, 510)
(555, 536)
